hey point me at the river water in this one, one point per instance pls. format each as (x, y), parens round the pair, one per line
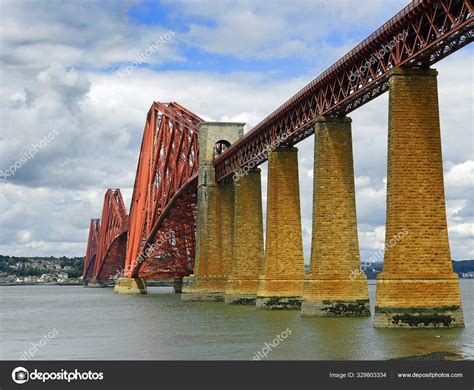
(86, 323)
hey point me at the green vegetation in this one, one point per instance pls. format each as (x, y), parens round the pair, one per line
(25, 266)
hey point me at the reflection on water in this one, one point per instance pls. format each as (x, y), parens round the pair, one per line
(97, 324)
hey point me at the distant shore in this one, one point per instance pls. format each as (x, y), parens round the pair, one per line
(150, 283)
(41, 284)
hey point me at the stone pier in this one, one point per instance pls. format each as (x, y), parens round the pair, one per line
(94, 283)
(417, 287)
(130, 286)
(247, 255)
(214, 218)
(335, 286)
(178, 285)
(282, 274)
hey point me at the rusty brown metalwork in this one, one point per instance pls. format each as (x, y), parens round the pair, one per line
(110, 258)
(163, 209)
(423, 33)
(91, 252)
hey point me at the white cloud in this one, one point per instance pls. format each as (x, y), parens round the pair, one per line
(96, 36)
(373, 239)
(269, 29)
(460, 179)
(462, 230)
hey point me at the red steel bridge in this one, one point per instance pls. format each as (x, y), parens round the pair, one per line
(107, 240)
(159, 240)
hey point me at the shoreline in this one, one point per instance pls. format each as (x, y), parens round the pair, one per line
(150, 284)
(40, 284)
(371, 282)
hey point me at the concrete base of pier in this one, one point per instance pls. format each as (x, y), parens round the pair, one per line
(240, 299)
(203, 289)
(436, 317)
(405, 302)
(279, 303)
(130, 286)
(95, 283)
(335, 295)
(334, 308)
(204, 297)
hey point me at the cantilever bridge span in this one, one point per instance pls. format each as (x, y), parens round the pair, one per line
(107, 244)
(158, 239)
(188, 218)
(161, 241)
(91, 252)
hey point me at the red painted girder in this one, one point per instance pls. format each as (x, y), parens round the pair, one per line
(172, 241)
(110, 258)
(434, 30)
(168, 160)
(91, 251)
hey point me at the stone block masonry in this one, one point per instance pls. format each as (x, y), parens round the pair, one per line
(282, 274)
(247, 249)
(329, 289)
(215, 218)
(130, 286)
(417, 286)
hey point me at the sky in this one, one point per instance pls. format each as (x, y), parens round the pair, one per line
(73, 107)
